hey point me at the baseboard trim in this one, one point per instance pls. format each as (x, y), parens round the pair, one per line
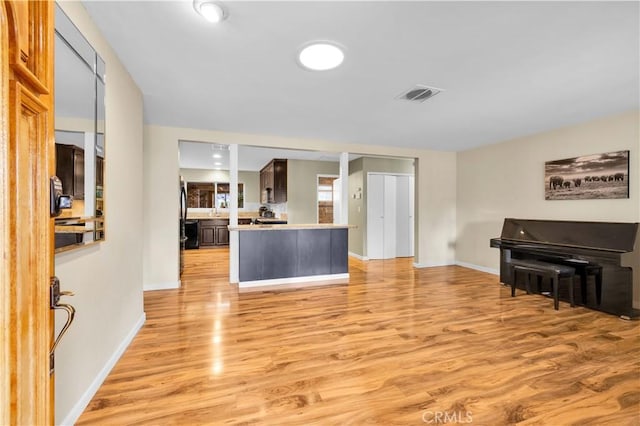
(430, 265)
(72, 417)
(478, 267)
(357, 256)
(169, 285)
(293, 283)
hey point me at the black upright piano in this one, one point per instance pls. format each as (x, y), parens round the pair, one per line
(612, 249)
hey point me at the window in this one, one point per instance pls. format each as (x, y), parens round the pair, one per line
(204, 194)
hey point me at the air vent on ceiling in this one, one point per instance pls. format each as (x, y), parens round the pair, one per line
(419, 93)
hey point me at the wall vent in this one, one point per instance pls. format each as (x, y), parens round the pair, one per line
(419, 93)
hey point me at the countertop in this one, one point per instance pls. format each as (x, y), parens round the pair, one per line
(218, 216)
(288, 227)
(225, 215)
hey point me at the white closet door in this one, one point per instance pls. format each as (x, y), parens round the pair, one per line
(390, 215)
(403, 219)
(411, 215)
(375, 216)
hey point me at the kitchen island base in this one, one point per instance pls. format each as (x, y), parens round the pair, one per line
(292, 256)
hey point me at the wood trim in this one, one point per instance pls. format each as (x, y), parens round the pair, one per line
(27, 76)
(26, 230)
(29, 272)
(26, 61)
(5, 294)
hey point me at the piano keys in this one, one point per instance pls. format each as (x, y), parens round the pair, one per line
(608, 249)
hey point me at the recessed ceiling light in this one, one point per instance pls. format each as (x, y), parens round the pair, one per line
(321, 56)
(217, 156)
(217, 164)
(212, 11)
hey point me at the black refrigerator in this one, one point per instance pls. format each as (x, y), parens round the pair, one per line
(183, 219)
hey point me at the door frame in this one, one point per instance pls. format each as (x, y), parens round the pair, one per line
(318, 176)
(27, 160)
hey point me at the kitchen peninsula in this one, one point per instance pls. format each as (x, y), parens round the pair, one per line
(292, 255)
(211, 229)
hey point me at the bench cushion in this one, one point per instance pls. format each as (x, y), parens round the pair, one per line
(537, 265)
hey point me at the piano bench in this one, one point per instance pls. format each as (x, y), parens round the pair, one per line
(584, 272)
(541, 270)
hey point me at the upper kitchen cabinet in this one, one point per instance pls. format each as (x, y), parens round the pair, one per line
(273, 182)
(70, 169)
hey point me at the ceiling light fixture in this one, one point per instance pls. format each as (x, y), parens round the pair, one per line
(212, 11)
(217, 156)
(321, 56)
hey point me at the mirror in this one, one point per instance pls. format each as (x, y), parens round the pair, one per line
(79, 135)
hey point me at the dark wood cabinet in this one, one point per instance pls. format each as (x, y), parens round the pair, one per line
(214, 232)
(273, 182)
(99, 171)
(70, 169)
(207, 234)
(222, 235)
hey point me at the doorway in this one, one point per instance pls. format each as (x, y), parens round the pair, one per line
(390, 222)
(327, 196)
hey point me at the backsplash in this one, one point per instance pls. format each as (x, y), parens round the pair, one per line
(251, 210)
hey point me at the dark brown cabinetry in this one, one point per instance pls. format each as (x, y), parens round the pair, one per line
(70, 169)
(207, 233)
(222, 235)
(99, 171)
(273, 182)
(214, 232)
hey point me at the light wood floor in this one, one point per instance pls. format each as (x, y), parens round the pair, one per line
(397, 346)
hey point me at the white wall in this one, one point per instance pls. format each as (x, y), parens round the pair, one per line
(107, 277)
(302, 188)
(507, 180)
(436, 201)
(358, 172)
(161, 211)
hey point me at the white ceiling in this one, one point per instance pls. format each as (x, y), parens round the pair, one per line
(200, 155)
(509, 69)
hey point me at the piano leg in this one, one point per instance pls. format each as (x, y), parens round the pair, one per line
(599, 286)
